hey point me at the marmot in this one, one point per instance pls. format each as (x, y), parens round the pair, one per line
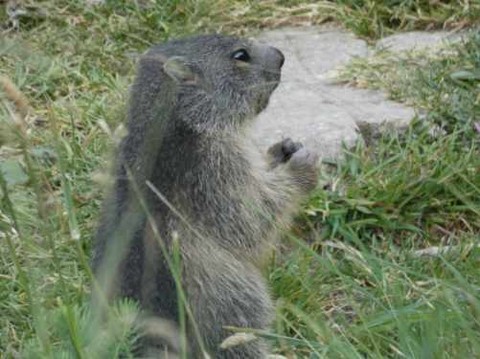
(188, 183)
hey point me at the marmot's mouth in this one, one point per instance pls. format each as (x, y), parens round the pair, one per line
(263, 93)
(262, 103)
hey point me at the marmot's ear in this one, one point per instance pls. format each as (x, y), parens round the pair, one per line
(178, 69)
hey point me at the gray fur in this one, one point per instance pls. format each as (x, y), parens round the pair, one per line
(202, 182)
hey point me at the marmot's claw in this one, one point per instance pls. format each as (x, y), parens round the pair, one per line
(282, 151)
(289, 148)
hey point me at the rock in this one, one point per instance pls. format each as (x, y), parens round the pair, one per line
(417, 40)
(308, 106)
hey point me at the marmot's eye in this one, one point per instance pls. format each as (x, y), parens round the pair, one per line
(241, 55)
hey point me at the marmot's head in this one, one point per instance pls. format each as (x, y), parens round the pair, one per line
(222, 80)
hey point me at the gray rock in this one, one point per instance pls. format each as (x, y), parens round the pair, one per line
(417, 40)
(308, 106)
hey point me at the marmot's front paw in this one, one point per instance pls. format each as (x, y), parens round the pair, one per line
(303, 166)
(282, 151)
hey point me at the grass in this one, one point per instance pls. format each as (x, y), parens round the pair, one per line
(358, 288)
(365, 273)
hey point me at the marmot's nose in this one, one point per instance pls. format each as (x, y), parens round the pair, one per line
(279, 55)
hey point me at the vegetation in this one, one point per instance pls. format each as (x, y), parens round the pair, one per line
(390, 267)
(393, 267)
